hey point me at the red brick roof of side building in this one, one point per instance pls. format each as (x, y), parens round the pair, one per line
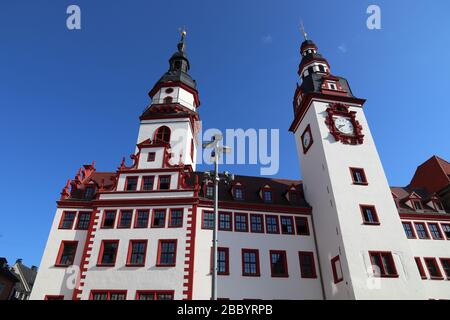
(433, 175)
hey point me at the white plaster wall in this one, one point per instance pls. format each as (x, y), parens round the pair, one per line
(179, 95)
(53, 280)
(236, 286)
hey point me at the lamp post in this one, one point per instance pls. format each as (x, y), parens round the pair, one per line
(215, 154)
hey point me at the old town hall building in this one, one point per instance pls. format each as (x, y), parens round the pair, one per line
(144, 231)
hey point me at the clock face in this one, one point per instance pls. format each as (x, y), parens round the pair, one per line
(344, 125)
(306, 139)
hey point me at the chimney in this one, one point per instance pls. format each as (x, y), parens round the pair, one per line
(34, 268)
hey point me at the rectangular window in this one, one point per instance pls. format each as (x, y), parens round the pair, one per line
(407, 226)
(167, 251)
(151, 156)
(225, 221)
(278, 264)
(287, 225)
(51, 297)
(446, 266)
(240, 222)
(293, 197)
(256, 223)
(147, 183)
(250, 263)
(302, 226)
(164, 183)
(272, 224)
(67, 219)
(438, 205)
(307, 265)
(108, 295)
(109, 219)
(176, 218)
(131, 183)
(141, 219)
(136, 253)
(435, 231)
(369, 215)
(336, 267)
(420, 267)
(223, 264)
(267, 196)
(154, 295)
(208, 220)
(433, 268)
(125, 218)
(358, 176)
(238, 193)
(108, 253)
(446, 229)
(209, 191)
(383, 264)
(421, 230)
(417, 205)
(84, 219)
(66, 254)
(159, 218)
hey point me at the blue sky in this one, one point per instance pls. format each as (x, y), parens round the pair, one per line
(70, 97)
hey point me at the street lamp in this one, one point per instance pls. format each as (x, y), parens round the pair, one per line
(215, 154)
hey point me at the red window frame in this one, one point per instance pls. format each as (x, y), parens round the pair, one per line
(142, 183)
(63, 215)
(164, 132)
(104, 217)
(277, 224)
(436, 265)
(438, 228)
(153, 219)
(78, 219)
(227, 261)
(336, 277)
(100, 262)
(383, 273)
(413, 231)
(235, 221)
(363, 176)
(363, 207)
(305, 219)
(284, 262)
(136, 218)
(170, 222)
(108, 293)
(229, 214)
(258, 271)
(155, 293)
(158, 260)
(443, 260)
(425, 228)
(53, 297)
(447, 225)
(262, 222)
(159, 181)
(291, 219)
(419, 264)
(127, 180)
(151, 156)
(203, 219)
(60, 252)
(310, 255)
(119, 226)
(130, 252)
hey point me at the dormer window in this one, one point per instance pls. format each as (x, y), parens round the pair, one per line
(238, 193)
(332, 86)
(209, 190)
(266, 194)
(293, 197)
(417, 205)
(438, 205)
(89, 193)
(321, 68)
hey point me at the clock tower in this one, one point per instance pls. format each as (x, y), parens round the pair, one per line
(346, 186)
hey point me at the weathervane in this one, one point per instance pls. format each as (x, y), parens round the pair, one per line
(183, 32)
(303, 30)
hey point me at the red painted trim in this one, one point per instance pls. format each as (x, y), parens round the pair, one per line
(383, 273)
(307, 233)
(310, 255)
(60, 252)
(336, 277)
(262, 222)
(434, 217)
(227, 261)
(127, 180)
(155, 293)
(291, 219)
(442, 237)
(100, 255)
(256, 252)
(447, 225)
(104, 216)
(63, 216)
(419, 264)
(363, 176)
(427, 233)
(190, 251)
(240, 214)
(229, 214)
(142, 183)
(170, 224)
(158, 260)
(130, 252)
(413, 230)
(339, 109)
(362, 207)
(153, 218)
(436, 265)
(277, 223)
(151, 156)
(119, 226)
(108, 292)
(159, 181)
(136, 218)
(284, 261)
(264, 207)
(307, 130)
(78, 219)
(443, 260)
(203, 219)
(53, 297)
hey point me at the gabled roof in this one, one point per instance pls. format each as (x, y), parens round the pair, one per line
(433, 175)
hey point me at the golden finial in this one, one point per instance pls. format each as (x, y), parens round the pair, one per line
(303, 30)
(183, 32)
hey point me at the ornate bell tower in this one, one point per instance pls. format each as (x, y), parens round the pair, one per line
(346, 186)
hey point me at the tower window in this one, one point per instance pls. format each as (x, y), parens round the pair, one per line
(307, 265)
(358, 176)
(151, 157)
(321, 68)
(168, 90)
(66, 254)
(369, 214)
(337, 269)
(168, 99)
(435, 231)
(407, 226)
(162, 134)
(433, 268)
(278, 264)
(383, 264)
(421, 230)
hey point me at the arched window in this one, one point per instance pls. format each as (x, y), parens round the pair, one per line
(168, 99)
(163, 134)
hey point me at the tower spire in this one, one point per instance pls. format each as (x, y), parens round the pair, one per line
(302, 28)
